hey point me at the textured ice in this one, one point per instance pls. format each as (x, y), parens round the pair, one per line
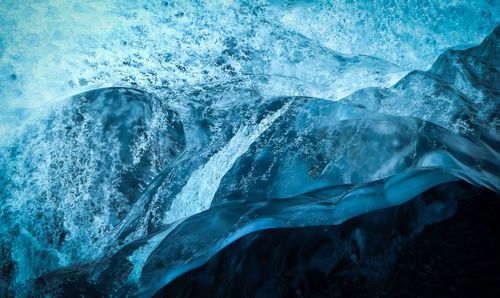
(167, 43)
(87, 162)
(193, 240)
(139, 140)
(460, 91)
(291, 162)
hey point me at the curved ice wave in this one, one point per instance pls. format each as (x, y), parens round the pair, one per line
(167, 181)
(192, 242)
(318, 143)
(297, 161)
(218, 227)
(422, 155)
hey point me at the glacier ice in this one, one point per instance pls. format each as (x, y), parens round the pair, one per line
(460, 91)
(87, 162)
(438, 156)
(213, 131)
(306, 166)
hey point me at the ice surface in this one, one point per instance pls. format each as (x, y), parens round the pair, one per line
(52, 48)
(305, 164)
(214, 123)
(460, 91)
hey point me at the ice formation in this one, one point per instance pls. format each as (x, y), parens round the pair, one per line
(188, 126)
